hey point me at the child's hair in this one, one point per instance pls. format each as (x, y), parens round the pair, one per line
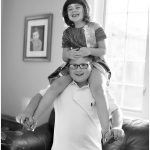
(86, 8)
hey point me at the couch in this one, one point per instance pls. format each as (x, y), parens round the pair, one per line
(14, 137)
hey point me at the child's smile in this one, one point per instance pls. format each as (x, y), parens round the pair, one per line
(75, 15)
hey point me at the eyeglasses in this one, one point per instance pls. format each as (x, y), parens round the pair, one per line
(75, 66)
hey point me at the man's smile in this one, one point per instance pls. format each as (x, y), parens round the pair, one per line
(79, 74)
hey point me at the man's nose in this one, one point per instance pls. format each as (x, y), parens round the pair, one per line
(78, 68)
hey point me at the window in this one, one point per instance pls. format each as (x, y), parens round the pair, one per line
(126, 26)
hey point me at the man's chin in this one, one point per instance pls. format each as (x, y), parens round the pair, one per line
(80, 80)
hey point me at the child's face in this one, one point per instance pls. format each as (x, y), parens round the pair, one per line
(75, 12)
(35, 35)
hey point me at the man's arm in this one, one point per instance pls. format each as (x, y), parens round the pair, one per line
(43, 105)
(117, 119)
(32, 106)
(30, 109)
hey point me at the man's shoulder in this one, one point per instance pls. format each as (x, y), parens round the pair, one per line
(70, 87)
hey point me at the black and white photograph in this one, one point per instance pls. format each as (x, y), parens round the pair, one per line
(37, 37)
(75, 74)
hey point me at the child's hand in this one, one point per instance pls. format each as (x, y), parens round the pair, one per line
(74, 54)
(84, 51)
(118, 133)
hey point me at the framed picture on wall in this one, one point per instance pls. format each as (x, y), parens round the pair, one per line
(38, 37)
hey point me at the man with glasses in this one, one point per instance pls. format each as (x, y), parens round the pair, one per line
(76, 122)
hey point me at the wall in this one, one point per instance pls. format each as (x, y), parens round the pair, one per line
(21, 80)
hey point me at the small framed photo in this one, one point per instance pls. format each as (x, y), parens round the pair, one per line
(38, 37)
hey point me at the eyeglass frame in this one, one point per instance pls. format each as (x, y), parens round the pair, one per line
(82, 66)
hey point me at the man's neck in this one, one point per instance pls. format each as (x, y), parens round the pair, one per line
(81, 84)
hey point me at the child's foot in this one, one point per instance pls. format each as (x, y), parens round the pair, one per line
(29, 124)
(106, 136)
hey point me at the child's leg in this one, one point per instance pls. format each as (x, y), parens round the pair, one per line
(55, 89)
(97, 83)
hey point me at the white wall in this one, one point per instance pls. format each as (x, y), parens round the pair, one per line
(21, 79)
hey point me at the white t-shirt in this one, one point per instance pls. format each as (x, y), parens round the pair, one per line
(77, 126)
(111, 100)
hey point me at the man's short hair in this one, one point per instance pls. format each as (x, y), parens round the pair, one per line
(86, 57)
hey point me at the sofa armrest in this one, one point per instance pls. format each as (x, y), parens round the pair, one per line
(45, 134)
(40, 139)
(136, 136)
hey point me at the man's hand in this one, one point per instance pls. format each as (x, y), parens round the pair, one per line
(30, 124)
(20, 118)
(106, 136)
(27, 121)
(117, 133)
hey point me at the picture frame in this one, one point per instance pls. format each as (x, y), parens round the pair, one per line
(37, 37)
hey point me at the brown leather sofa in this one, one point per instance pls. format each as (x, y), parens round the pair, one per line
(16, 138)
